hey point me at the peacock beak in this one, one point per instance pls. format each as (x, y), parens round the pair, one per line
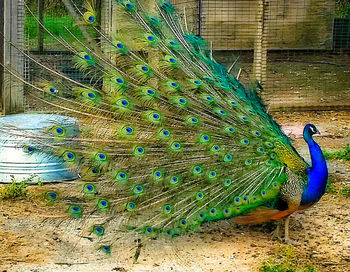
(318, 132)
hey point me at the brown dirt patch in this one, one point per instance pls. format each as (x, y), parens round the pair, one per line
(34, 238)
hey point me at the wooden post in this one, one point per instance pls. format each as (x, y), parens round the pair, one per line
(12, 89)
(106, 16)
(40, 28)
(2, 42)
(260, 49)
(200, 17)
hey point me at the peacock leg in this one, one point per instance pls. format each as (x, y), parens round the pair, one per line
(287, 240)
(276, 232)
(286, 229)
(138, 250)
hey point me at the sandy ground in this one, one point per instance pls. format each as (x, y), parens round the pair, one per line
(33, 238)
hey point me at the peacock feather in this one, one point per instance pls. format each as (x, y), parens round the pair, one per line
(168, 138)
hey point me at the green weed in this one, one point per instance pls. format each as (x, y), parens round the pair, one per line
(342, 9)
(331, 189)
(343, 154)
(286, 262)
(17, 189)
(345, 191)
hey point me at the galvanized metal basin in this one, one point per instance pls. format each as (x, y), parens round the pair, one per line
(14, 160)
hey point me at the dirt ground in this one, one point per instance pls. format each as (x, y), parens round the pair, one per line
(32, 238)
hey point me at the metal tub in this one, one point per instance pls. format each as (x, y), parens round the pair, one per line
(17, 161)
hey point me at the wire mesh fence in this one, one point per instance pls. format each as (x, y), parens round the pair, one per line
(307, 44)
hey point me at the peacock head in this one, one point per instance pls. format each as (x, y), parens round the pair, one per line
(309, 131)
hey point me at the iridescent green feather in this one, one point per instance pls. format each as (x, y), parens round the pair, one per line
(169, 140)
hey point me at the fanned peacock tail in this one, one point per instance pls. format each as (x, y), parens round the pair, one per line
(168, 139)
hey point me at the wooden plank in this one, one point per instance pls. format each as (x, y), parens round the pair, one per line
(40, 28)
(1, 51)
(12, 89)
(294, 24)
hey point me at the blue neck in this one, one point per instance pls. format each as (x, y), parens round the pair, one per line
(317, 173)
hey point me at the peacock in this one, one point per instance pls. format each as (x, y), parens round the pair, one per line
(169, 139)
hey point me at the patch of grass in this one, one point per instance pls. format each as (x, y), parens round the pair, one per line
(345, 191)
(56, 25)
(286, 262)
(342, 9)
(16, 189)
(343, 154)
(331, 189)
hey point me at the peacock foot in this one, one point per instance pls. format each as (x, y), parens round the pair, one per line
(276, 233)
(291, 242)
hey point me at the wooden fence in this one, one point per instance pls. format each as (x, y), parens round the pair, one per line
(255, 26)
(12, 18)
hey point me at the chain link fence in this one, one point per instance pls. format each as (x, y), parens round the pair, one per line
(306, 64)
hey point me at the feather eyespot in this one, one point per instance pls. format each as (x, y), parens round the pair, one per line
(248, 162)
(157, 175)
(68, 156)
(95, 171)
(130, 206)
(98, 230)
(167, 209)
(106, 249)
(212, 212)
(227, 158)
(53, 90)
(199, 196)
(138, 189)
(51, 196)
(103, 205)
(197, 170)
(227, 182)
(215, 148)
(75, 211)
(174, 180)
(89, 189)
(28, 149)
(102, 156)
